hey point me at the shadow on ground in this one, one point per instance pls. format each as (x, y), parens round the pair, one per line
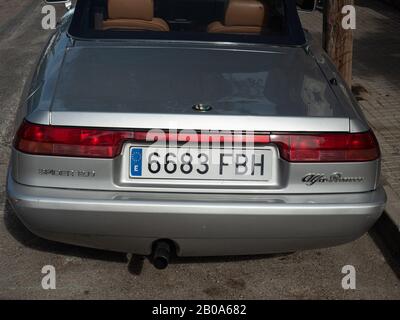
(386, 236)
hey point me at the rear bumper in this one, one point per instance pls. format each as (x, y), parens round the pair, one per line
(199, 224)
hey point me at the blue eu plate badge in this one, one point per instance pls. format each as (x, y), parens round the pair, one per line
(136, 162)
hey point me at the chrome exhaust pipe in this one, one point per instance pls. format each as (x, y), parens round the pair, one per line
(161, 255)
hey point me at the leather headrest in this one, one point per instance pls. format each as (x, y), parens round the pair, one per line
(131, 9)
(245, 13)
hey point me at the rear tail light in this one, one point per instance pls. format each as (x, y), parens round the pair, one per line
(104, 143)
(330, 147)
(70, 141)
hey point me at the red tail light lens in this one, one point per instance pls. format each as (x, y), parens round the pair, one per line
(341, 147)
(69, 141)
(103, 143)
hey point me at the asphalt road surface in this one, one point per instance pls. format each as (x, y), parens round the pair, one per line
(86, 273)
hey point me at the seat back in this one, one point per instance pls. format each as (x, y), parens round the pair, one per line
(134, 15)
(242, 16)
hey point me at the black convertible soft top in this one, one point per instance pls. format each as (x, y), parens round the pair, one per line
(186, 18)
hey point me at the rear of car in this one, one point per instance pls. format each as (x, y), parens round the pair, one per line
(216, 147)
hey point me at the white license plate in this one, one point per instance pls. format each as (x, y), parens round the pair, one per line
(204, 164)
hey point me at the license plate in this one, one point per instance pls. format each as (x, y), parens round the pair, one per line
(204, 164)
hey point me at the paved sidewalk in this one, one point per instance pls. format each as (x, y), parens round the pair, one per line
(376, 83)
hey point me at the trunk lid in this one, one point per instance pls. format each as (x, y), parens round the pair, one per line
(156, 87)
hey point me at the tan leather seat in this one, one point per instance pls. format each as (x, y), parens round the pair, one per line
(242, 16)
(133, 15)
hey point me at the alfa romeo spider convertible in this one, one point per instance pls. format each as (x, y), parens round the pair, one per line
(191, 127)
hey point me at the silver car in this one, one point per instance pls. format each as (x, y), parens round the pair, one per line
(201, 129)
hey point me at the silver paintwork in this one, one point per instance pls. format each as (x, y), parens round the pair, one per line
(198, 121)
(111, 84)
(234, 81)
(113, 174)
(199, 224)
